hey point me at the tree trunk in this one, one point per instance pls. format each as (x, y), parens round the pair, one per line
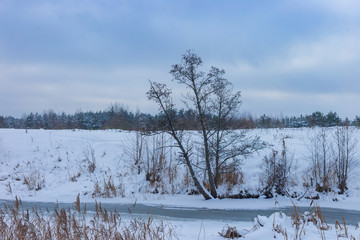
(205, 139)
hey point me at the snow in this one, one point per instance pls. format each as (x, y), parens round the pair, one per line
(57, 161)
(276, 226)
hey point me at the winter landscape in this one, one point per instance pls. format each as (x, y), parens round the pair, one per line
(56, 165)
(149, 120)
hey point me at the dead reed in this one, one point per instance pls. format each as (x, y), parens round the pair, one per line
(315, 216)
(75, 223)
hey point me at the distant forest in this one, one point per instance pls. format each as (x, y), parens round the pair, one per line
(118, 117)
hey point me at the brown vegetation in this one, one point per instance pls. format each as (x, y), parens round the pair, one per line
(21, 224)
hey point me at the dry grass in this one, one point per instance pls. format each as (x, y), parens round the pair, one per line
(316, 217)
(341, 229)
(73, 223)
(74, 177)
(231, 178)
(34, 181)
(90, 160)
(302, 223)
(230, 232)
(8, 188)
(108, 189)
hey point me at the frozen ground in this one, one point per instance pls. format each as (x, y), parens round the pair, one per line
(55, 164)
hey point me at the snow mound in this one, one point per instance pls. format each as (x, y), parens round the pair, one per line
(305, 226)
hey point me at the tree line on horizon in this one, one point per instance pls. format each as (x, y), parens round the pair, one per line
(118, 117)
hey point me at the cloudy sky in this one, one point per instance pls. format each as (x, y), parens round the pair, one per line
(288, 57)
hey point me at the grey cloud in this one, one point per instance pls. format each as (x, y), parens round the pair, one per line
(83, 54)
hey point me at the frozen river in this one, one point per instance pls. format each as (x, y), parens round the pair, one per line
(242, 215)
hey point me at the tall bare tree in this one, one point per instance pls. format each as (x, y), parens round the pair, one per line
(161, 95)
(210, 96)
(198, 83)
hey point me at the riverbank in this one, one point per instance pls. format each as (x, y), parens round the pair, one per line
(57, 165)
(158, 221)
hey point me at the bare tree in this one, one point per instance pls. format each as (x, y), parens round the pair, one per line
(345, 155)
(320, 151)
(228, 145)
(210, 96)
(161, 95)
(134, 149)
(198, 83)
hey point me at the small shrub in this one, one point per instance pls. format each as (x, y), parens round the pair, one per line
(75, 177)
(276, 172)
(97, 190)
(121, 190)
(108, 189)
(9, 189)
(230, 232)
(34, 181)
(89, 154)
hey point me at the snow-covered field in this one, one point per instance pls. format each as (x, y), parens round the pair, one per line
(56, 165)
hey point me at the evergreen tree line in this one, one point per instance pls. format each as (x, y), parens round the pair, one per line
(316, 119)
(118, 117)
